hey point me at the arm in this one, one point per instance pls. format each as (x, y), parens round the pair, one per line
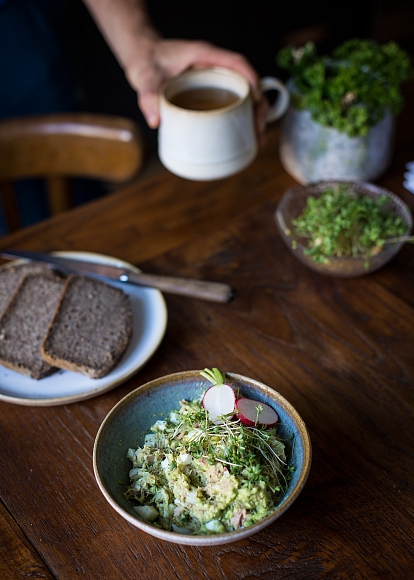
(148, 59)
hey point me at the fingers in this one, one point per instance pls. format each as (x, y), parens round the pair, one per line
(166, 58)
(209, 55)
(148, 103)
(146, 77)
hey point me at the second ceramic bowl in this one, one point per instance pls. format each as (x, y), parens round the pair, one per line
(128, 422)
(292, 205)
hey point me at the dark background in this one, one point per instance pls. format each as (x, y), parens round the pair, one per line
(257, 29)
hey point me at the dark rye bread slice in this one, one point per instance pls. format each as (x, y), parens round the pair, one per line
(25, 323)
(91, 329)
(12, 276)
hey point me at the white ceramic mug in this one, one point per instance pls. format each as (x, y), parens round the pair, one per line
(218, 142)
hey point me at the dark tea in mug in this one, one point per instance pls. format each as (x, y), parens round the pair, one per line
(204, 98)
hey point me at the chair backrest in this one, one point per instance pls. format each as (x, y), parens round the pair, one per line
(59, 146)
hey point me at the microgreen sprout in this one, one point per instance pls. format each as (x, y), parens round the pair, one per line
(343, 223)
(232, 443)
(214, 376)
(201, 454)
(259, 409)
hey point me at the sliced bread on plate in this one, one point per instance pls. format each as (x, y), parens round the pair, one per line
(25, 322)
(12, 276)
(91, 329)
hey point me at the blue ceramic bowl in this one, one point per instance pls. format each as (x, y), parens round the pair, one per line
(128, 422)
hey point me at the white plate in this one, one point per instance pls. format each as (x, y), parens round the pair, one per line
(149, 323)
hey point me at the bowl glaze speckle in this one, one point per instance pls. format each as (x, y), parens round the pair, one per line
(127, 423)
(293, 203)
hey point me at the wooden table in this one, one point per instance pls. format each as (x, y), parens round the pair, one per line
(340, 350)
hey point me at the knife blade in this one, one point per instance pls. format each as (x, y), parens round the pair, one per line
(213, 291)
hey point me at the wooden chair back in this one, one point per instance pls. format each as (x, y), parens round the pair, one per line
(57, 147)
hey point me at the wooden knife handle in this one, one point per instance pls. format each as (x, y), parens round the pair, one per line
(213, 291)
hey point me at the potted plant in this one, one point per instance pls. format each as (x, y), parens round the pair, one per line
(340, 123)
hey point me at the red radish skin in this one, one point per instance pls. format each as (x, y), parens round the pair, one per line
(219, 400)
(246, 412)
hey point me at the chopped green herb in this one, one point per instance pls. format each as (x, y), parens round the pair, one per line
(342, 223)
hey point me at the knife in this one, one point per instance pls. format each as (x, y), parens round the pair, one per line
(213, 291)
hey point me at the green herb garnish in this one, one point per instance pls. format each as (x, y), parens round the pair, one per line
(204, 477)
(351, 89)
(259, 409)
(214, 376)
(342, 223)
(232, 443)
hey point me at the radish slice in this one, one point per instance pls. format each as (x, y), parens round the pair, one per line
(251, 413)
(219, 400)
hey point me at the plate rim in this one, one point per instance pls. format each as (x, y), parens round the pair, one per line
(90, 393)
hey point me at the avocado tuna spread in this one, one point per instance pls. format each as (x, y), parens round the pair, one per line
(193, 476)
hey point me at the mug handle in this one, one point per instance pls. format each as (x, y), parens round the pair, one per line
(281, 104)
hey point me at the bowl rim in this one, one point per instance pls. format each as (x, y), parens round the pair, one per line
(361, 186)
(216, 539)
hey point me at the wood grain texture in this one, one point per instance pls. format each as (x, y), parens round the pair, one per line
(81, 144)
(18, 559)
(341, 351)
(56, 147)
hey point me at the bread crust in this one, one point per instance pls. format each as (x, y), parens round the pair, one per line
(12, 275)
(91, 328)
(25, 323)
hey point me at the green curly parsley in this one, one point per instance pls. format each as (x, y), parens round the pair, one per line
(351, 89)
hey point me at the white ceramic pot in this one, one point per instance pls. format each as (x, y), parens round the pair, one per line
(311, 152)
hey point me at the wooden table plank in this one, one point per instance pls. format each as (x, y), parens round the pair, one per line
(339, 350)
(18, 559)
(330, 383)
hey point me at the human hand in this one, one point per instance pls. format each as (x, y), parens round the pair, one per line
(148, 59)
(159, 59)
